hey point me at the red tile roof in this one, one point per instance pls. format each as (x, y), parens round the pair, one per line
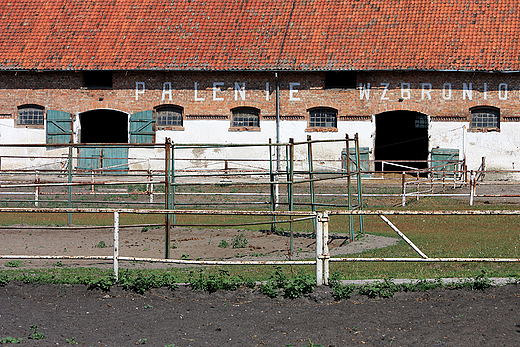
(260, 34)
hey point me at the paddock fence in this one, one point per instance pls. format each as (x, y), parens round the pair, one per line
(321, 260)
(297, 174)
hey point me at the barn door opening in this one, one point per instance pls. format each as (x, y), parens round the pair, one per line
(101, 127)
(401, 136)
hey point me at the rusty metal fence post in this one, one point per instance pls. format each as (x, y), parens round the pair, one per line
(290, 186)
(272, 200)
(167, 197)
(311, 177)
(359, 185)
(349, 189)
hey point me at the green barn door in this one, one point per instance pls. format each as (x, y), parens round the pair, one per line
(89, 158)
(141, 127)
(103, 130)
(59, 127)
(114, 159)
(104, 158)
(445, 159)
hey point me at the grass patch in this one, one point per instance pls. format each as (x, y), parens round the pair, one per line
(14, 263)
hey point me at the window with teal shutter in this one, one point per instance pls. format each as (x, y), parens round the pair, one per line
(142, 127)
(59, 127)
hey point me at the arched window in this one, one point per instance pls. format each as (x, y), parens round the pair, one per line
(245, 117)
(323, 117)
(30, 114)
(484, 118)
(168, 116)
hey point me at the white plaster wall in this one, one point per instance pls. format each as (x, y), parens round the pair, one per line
(217, 132)
(500, 149)
(24, 157)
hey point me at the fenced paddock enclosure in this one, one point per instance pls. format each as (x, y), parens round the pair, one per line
(282, 191)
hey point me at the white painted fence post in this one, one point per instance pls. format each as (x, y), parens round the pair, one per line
(37, 189)
(319, 250)
(326, 254)
(403, 184)
(151, 187)
(116, 245)
(472, 187)
(322, 249)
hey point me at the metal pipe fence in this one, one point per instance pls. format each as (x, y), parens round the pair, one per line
(322, 258)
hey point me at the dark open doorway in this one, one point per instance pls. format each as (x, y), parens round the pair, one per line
(104, 126)
(401, 135)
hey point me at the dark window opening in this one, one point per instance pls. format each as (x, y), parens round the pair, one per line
(104, 126)
(97, 79)
(341, 79)
(401, 141)
(323, 117)
(30, 115)
(246, 117)
(421, 122)
(168, 116)
(485, 118)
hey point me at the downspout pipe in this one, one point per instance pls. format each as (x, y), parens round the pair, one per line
(277, 136)
(277, 119)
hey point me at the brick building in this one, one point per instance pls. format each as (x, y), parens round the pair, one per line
(407, 76)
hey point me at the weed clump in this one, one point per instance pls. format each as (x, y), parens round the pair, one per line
(101, 244)
(218, 281)
(223, 244)
(385, 289)
(35, 335)
(10, 339)
(139, 282)
(4, 280)
(14, 263)
(103, 282)
(239, 241)
(480, 282)
(291, 288)
(340, 291)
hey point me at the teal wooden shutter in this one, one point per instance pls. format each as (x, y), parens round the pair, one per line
(89, 158)
(115, 158)
(59, 127)
(110, 159)
(141, 127)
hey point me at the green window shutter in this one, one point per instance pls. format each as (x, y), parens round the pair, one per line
(59, 127)
(141, 127)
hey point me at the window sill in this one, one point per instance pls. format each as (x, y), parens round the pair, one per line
(321, 130)
(244, 129)
(172, 127)
(483, 130)
(30, 126)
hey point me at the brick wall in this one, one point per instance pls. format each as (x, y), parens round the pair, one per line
(63, 91)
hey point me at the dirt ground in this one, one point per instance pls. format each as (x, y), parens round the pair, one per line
(205, 244)
(74, 315)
